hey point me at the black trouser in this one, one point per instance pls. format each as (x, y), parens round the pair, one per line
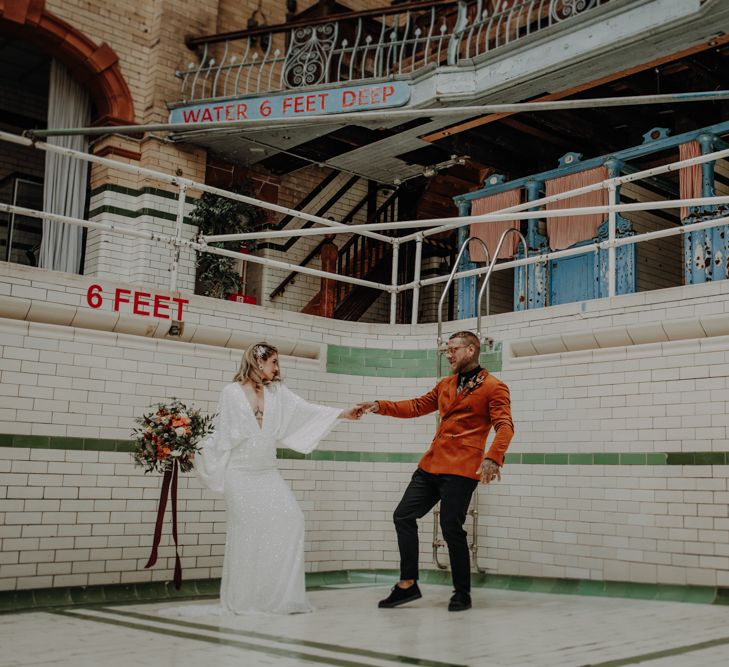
(423, 492)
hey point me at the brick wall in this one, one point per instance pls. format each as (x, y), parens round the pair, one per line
(618, 470)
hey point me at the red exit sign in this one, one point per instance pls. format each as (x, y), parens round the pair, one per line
(141, 303)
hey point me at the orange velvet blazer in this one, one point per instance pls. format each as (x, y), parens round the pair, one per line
(465, 421)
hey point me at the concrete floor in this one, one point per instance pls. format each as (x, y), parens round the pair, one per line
(347, 630)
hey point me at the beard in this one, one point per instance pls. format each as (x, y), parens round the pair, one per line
(464, 363)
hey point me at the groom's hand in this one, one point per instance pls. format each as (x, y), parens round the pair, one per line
(373, 406)
(489, 471)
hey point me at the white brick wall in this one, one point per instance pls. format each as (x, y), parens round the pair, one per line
(144, 263)
(72, 517)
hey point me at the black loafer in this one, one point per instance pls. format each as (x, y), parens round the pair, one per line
(459, 602)
(400, 596)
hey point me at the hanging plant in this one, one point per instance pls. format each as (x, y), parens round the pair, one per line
(218, 276)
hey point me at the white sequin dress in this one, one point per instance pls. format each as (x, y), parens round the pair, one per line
(263, 567)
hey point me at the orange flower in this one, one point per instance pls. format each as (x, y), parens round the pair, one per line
(163, 452)
(180, 421)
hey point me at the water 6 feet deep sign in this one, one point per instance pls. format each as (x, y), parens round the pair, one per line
(294, 104)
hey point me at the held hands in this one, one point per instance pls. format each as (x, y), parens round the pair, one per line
(359, 410)
(489, 471)
(353, 414)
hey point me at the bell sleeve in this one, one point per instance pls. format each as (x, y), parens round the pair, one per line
(303, 424)
(228, 433)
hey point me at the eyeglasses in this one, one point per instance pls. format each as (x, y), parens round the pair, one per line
(452, 350)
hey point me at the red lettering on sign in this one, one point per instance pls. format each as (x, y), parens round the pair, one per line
(161, 303)
(180, 303)
(93, 296)
(139, 301)
(121, 296)
(191, 115)
(242, 111)
(206, 115)
(367, 96)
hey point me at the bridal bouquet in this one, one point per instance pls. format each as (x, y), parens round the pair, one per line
(169, 434)
(166, 441)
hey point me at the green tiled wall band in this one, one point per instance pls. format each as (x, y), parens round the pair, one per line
(513, 458)
(376, 362)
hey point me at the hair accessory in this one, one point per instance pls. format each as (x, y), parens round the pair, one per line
(259, 351)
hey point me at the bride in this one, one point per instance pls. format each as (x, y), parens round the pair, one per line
(263, 566)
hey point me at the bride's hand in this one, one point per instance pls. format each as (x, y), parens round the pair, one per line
(352, 414)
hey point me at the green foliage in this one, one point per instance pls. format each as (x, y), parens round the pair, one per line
(168, 434)
(213, 214)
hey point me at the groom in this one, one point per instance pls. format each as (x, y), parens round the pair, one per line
(469, 402)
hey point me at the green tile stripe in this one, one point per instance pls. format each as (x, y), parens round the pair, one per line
(157, 591)
(136, 192)
(361, 457)
(513, 458)
(60, 442)
(136, 213)
(380, 362)
(612, 458)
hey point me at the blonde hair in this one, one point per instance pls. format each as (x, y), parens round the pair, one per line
(248, 370)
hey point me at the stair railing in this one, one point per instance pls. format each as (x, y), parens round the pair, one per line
(360, 254)
(438, 542)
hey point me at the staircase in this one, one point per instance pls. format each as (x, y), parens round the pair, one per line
(369, 259)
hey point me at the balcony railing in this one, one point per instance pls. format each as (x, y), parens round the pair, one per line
(359, 46)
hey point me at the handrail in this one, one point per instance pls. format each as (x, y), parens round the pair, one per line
(439, 342)
(373, 217)
(344, 254)
(487, 277)
(193, 42)
(324, 208)
(347, 218)
(355, 46)
(281, 287)
(473, 511)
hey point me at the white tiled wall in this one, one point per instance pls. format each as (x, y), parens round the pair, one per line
(83, 517)
(114, 257)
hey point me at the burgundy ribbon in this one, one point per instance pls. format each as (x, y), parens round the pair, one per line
(169, 480)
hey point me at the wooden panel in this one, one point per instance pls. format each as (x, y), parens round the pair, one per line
(659, 263)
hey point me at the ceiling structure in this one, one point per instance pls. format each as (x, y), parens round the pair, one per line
(515, 145)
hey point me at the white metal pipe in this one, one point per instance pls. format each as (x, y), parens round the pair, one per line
(570, 252)
(178, 237)
(416, 279)
(612, 221)
(103, 226)
(163, 238)
(461, 221)
(393, 293)
(438, 223)
(672, 231)
(617, 180)
(363, 116)
(288, 267)
(177, 181)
